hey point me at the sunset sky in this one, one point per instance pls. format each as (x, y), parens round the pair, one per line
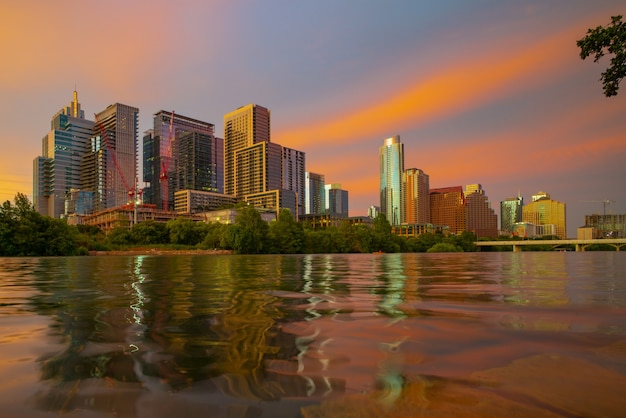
(489, 92)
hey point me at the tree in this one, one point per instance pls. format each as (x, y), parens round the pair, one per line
(248, 234)
(185, 231)
(286, 235)
(608, 39)
(150, 232)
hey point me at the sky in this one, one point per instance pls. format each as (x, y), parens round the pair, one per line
(482, 91)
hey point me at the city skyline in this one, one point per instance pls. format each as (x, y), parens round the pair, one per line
(484, 93)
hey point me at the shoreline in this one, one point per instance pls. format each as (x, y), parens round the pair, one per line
(157, 251)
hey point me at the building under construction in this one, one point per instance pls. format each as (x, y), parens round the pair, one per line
(126, 216)
(607, 226)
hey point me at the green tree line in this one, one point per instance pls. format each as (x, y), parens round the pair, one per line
(25, 232)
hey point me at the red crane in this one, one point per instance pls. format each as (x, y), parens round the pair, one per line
(166, 161)
(103, 134)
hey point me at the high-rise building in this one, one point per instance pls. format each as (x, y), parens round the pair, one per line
(161, 154)
(447, 207)
(293, 175)
(315, 200)
(258, 171)
(243, 127)
(336, 200)
(391, 155)
(481, 218)
(57, 171)
(545, 211)
(510, 213)
(416, 189)
(109, 168)
(198, 163)
(258, 168)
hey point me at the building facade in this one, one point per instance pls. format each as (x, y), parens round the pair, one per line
(294, 168)
(197, 201)
(315, 193)
(481, 218)
(243, 127)
(510, 213)
(258, 168)
(447, 207)
(58, 170)
(198, 163)
(336, 200)
(607, 226)
(110, 166)
(545, 211)
(416, 189)
(161, 154)
(391, 156)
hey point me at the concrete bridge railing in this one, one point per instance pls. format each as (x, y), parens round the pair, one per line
(580, 244)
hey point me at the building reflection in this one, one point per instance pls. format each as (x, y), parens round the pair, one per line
(276, 327)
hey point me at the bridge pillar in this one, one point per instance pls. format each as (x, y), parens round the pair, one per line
(517, 248)
(580, 247)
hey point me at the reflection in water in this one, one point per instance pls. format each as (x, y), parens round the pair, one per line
(315, 335)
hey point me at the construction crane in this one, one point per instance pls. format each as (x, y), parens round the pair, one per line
(166, 161)
(604, 203)
(103, 134)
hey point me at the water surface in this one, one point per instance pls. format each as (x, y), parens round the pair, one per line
(364, 335)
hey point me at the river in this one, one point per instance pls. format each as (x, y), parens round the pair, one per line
(530, 334)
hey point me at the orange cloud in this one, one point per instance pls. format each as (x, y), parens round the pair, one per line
(464, 86)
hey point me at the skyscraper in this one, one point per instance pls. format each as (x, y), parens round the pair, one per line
(336, 200)
(258, 168)
(261, 172)
(294, 168)
(447, 207)
(198, 164)
(243, 127)
(161, 154)
(416, 188)
(57, 171)
(110, 166)
(315, 200)
(391, 156)
(481, 218)
(545, 211)
(510, 212)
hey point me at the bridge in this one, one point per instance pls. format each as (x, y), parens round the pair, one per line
(580, 244)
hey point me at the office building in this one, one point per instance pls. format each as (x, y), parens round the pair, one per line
(481, 218)
(258, 168)
(161, 174)
(416, 189)
(315, 193)
(373, 211)
(294, 169)
(510, 213)
(447, 207)
(391, 155)
(545, 211)
(198, 163)
(258, 171)
(57, 171)
(243, 127)
(336, 200)
(109, 169)
(197, 201)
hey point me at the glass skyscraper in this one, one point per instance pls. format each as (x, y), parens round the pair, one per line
(391, 168)
(315, 201)
(57, 171)
(510, 213)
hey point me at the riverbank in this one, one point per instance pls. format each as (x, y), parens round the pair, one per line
(159, 251)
